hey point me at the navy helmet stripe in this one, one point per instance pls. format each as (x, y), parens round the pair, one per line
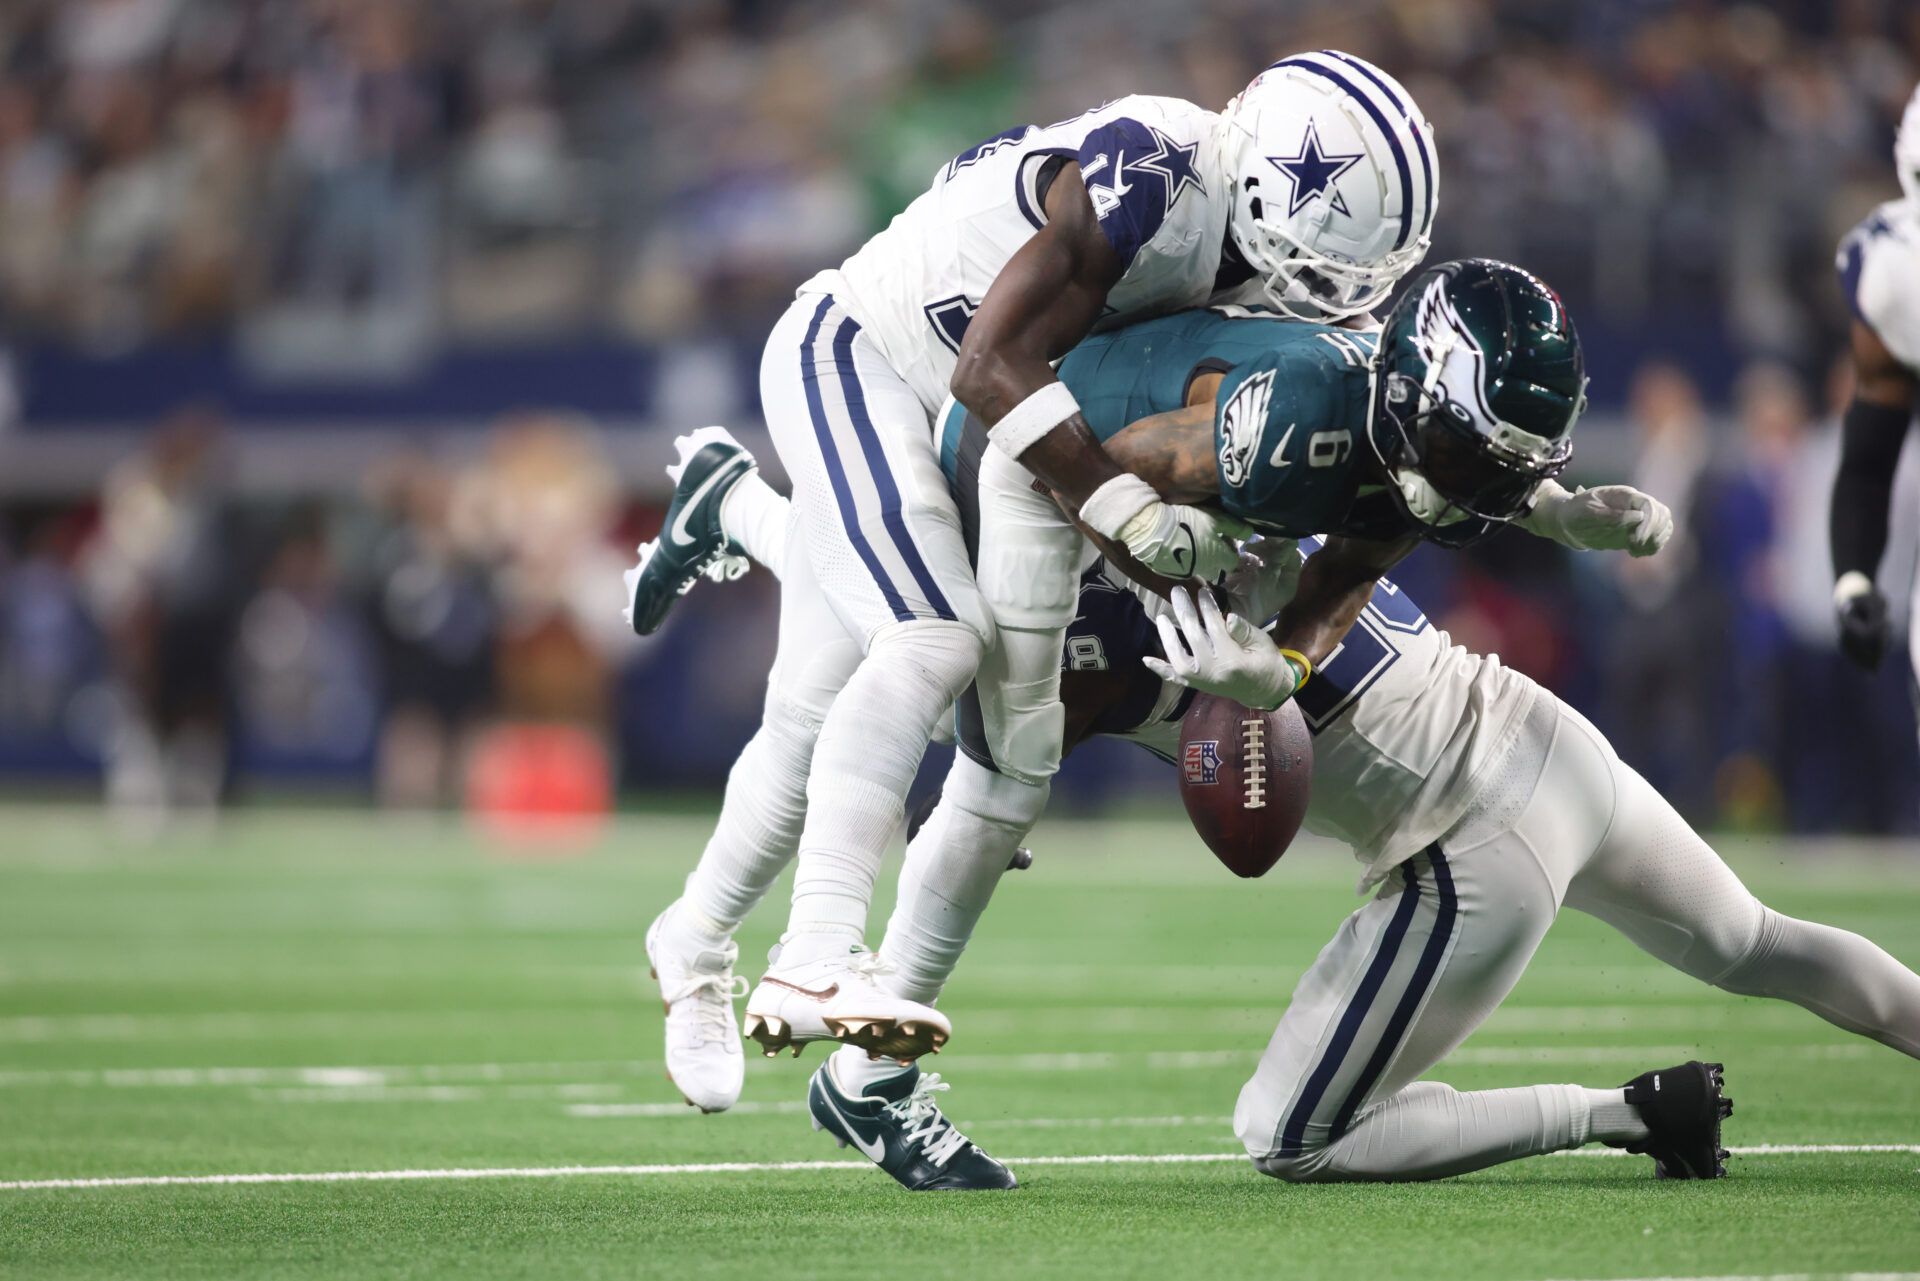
(836, 471)
(890, 503)
(1423, 976)
(1399, 152)
(1404, 108)
(1294, 1135)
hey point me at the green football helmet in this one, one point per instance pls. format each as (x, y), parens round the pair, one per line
(1477, 383)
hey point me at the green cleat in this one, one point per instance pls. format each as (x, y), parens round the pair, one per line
(897, 1126)
(691, 542)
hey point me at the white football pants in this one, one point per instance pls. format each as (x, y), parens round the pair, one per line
(1338, 1096)
(884, 552)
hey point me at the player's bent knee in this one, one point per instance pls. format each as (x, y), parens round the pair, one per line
(1302, 1167)
(943, 653)
(1024, 730)
(996, 798)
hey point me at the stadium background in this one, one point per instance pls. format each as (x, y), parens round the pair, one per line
(342, 343)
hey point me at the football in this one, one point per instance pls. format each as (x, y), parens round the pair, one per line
(1244, 777)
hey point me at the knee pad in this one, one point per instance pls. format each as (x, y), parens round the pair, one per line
(1022, 719)
(943, 655)
(999, 799)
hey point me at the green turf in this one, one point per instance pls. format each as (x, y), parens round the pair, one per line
(473, 1008)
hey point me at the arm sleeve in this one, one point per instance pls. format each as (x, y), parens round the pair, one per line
(1130, 202)
(1870, 439)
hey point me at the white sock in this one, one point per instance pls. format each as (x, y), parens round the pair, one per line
(759, 827)
(754, 515)
(856, 1073)
(864, 761)
(952, 868)
(1613, 1119)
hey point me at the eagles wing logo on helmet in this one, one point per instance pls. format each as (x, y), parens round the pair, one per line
(1242, 423)
(1456, 365)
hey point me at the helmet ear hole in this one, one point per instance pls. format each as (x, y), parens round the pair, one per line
(1257, 214)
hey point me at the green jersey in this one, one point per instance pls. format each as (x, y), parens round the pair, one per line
(1289, 419)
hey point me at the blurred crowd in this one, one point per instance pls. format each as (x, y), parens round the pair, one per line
(315, 169)
(329, 182)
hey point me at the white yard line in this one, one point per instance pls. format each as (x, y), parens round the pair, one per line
(569, 1171)
(347, 1077)
(771, 1167)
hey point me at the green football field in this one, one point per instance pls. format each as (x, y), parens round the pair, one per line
(444, 1057)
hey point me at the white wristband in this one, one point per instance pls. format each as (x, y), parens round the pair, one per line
(1033, 418)
(1110, 507)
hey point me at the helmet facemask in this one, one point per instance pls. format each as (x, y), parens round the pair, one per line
(1308, 284)
(1444, 471)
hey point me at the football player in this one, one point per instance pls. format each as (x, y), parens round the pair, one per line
(1520, 351)
(1479, 805)
(1879, 267)
(1314, 191)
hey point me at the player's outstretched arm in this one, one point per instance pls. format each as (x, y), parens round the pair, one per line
(1335, 585)
(1046, 299)
(1605, 518)
(1871, 433)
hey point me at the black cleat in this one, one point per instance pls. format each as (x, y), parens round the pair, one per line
(897, 1126)
(1683, 1107)
(691, 542)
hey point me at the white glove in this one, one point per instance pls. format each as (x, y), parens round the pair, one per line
(1610, 518)
(1171, 539)
(1265, 579)
(1224, 655)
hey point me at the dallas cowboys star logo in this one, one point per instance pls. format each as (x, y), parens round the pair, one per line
(1174, 165)
(1313, 171)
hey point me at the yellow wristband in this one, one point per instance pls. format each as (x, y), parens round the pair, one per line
(1301, 661)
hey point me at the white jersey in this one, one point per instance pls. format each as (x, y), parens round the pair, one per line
(1408, 728)
(1879, 266)
(1149, 165)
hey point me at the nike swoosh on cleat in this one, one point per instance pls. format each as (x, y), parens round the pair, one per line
(824, 994)
(679, 530)
(874, 1151)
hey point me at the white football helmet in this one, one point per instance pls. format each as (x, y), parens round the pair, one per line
(1335, 181)
(1906, 149)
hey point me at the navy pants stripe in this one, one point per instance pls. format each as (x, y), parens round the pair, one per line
(1342, 1044)
(1446, 910)
(883, 481)
(837, 472)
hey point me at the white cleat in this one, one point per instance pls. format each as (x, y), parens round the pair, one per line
(838, 998)
(698, 989)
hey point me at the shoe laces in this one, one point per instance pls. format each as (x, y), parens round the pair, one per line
(869, 966)
(721, 566)
(925, 1124)
(705, 1001)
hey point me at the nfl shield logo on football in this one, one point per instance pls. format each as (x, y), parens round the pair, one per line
(1203, 762)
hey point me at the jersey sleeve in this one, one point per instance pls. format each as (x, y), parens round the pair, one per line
(1130, 202)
